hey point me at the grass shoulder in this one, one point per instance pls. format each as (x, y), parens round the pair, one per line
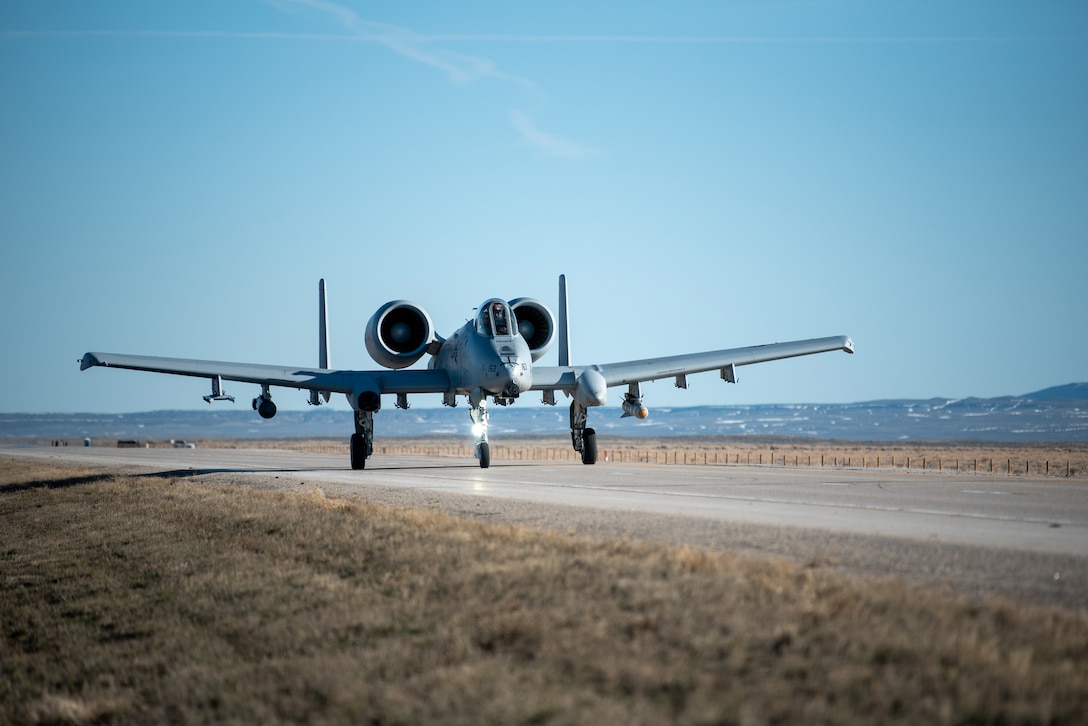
(136, 599)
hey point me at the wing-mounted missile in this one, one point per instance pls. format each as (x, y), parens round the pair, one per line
(634, 408)
(632, 403)
(399, 334)
(535, 323)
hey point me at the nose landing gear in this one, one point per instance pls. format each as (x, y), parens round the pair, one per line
(478, 413)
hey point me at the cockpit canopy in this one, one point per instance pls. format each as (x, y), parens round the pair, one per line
(495, 319)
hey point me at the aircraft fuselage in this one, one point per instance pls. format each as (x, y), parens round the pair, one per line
(487, 356)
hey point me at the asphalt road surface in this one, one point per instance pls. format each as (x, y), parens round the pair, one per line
(978, 535)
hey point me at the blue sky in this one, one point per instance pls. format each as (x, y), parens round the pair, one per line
(175, 177)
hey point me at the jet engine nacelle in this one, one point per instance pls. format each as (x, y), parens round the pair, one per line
(535, 323)
(399, 334)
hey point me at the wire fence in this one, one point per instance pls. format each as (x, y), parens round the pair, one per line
(687, 456)
(1046, 460)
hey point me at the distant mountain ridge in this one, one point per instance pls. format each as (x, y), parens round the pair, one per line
(1058, 414)
(1070, 391)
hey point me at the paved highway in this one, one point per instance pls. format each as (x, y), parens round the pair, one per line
(1031, 515)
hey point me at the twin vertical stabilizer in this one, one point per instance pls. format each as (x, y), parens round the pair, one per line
(564, 330)
(322, 342)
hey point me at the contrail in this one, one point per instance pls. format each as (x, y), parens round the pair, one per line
(376, 35)
(723, 39)
(464, 69)
(460, 68)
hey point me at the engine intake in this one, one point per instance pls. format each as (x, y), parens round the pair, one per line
(535, 323)
(399, 334)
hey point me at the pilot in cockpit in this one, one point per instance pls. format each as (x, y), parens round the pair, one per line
(498, 318)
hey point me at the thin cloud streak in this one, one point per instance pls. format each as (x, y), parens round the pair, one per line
(399, 39)
(460, 68)
(720, 40)
(463, 69)
(183, 34)
(547, 143)
(226, 34)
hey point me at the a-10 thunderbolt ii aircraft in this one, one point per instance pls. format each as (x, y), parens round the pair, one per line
(492, 356)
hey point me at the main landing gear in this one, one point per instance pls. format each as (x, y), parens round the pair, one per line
(362, 441)
(584, 439)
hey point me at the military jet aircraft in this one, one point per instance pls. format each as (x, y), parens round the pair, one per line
(492, 356)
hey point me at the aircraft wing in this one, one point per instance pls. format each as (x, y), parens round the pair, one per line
(650, 369)
(318, 379)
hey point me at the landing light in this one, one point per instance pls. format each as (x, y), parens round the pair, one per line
(477, 430)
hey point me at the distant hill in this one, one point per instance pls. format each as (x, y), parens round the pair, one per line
(1070, 392)
(1058, 414)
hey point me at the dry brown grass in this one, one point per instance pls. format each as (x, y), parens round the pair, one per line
(142, 599)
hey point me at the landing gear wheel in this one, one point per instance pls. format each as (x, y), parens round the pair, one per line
(358, 451)
(485, 455)
(589, 446)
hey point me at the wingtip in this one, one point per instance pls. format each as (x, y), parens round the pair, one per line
(89, 360)
(848, 345)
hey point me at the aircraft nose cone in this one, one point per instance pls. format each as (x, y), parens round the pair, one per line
(516, 380)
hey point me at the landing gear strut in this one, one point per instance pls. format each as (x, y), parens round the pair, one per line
(362, 441)
(478, 413)
(583, 438)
